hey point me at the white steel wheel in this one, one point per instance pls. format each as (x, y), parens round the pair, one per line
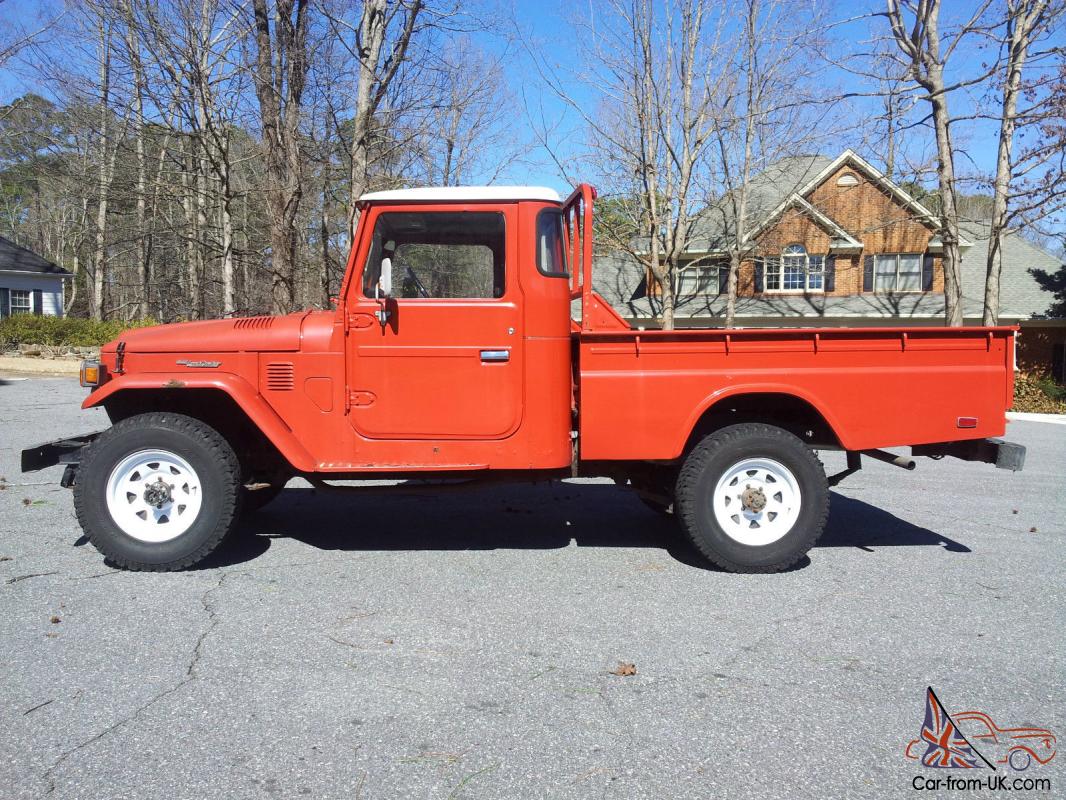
(756, 501)
(154, 495)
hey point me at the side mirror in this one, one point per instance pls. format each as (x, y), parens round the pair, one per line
(385, 279)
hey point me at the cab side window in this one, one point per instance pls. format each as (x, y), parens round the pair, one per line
(439, 254)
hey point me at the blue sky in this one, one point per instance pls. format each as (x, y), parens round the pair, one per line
(549, 31)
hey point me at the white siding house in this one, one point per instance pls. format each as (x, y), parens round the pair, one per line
(29, 284)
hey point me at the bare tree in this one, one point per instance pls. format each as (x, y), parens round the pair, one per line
(652, 65)
(280, 76)
(771, 113)
(107, 153)
(14, 38)
(465, 132)
(1026, 21)
(915, 27)
(380, 44)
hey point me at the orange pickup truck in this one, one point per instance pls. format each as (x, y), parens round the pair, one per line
(468, 344)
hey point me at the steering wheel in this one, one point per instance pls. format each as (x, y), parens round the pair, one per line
(418, 284)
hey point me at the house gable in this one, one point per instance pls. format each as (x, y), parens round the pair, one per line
(870, 212)
(850, 212)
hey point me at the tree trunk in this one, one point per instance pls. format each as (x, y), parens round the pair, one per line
(371, 39)
(1021, 22)
(732, 282)
(192, 235)
(228, 304)
(103, 182)
(141, 234)
(374, 80)
(280, 73)
(949, 215)
(669, 301)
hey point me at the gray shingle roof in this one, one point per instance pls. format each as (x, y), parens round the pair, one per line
(18, 259)
(766, 191)
(1020, 296)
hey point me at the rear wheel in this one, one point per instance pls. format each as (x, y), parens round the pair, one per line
(158, 491)
(752, 498)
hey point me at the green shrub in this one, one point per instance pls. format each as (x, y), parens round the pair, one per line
(1038, 394)
(57, 331)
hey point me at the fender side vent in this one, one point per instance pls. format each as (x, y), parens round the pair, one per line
(280, 376)
(253, 323)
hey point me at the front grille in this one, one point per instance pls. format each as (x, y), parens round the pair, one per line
(280, 376)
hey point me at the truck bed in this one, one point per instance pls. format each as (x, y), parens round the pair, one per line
(874, 387)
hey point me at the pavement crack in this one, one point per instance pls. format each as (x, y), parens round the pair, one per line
(190, 675)
(37, 707)
(18, 578)
(212, 623)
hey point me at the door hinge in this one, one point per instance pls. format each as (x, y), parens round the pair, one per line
(358, 398)
(358, 320)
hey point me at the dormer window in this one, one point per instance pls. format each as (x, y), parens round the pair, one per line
(847, 179)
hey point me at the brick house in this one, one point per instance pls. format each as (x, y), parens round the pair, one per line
(833, 242)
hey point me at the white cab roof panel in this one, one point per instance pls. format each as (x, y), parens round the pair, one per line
(463, 193)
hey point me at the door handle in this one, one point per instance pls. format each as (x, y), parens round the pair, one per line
(495, 355)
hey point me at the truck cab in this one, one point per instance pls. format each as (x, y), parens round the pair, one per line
(456, 314)
(467, 343)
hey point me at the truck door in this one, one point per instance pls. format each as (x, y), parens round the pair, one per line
(447, 361)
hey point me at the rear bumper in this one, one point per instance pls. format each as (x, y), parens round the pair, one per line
(60, 451)
(1005, 455)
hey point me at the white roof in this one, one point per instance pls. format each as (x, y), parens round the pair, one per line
(451, 193)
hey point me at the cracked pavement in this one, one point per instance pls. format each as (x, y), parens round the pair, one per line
(461, 645)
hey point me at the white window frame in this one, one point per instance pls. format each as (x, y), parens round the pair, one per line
(776, 265)
(20, 309)
(895, 289)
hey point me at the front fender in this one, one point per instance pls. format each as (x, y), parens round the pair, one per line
(243, 394)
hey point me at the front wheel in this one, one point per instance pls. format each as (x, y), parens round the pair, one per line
(752, 498)
(158, 492)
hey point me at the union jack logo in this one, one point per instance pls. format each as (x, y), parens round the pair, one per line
(946, 747)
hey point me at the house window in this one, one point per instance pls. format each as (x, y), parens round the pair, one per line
(847, 179)
(21, 301)
(898, 272)
(795, 271)
(698, 280)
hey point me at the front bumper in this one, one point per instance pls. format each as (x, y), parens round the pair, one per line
(61, 451)
(1005, 455)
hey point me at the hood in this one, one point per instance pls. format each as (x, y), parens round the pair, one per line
(216, 336)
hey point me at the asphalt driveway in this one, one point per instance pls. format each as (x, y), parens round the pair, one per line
(463, 645)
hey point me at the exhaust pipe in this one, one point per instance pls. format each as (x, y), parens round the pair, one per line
(891, 458)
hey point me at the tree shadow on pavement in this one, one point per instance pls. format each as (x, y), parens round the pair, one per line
(542, 516)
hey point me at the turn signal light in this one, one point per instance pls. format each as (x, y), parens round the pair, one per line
(967, 422)
(92, 373)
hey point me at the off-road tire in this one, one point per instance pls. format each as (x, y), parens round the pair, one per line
(199, 444)
(711, 458)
